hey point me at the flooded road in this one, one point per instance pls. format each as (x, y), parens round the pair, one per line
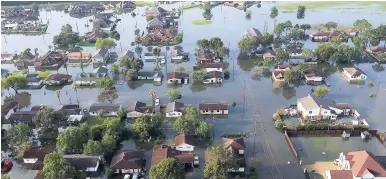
(229, 24)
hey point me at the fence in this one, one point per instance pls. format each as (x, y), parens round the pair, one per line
(290, 144)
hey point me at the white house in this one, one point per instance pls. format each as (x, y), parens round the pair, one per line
(150, 75)
(33, 20)
(213, 77)
(211, 67)
(353, 74)
(213, 108)
(100, 56)
(312, 77)
(88, 78)
(357, 165)
(184, 143)
(237, 146)
(316, 108)
(150, 57)
(177, 78)
(6, 111)
(84, 163)
(107, 109)
(174, 109)
(294, 50)
(136, 109)
(77, 58)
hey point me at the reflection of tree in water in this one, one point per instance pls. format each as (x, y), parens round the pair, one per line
(256, 76)
(135, 84)
(197, 87)
(207, 15)
(108, 95)
(247, 65)
(288, 92)
(276, 91)
(23, 98)
(267, 73)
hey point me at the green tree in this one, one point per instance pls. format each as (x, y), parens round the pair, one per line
(21, 149)
(136, 32)
(203, 44)
(358, 43)
(67, 38)
(198, 76)
(115, 68)
(18, 134)
(218, 163)
(56, 167)
(105, 83)
(71, 140)
(207, 6)
(267, 40)
(174, 94)
(301, 12)
(169, 168)
(215, 44)
(105, 43)
(364, 27)
(226, 74)
(15, 82)
(138, 50)
(274, 12)
(153, 96)
(324, 51)
(288, 76)
(335, 41)
(246, 45)
(93, 147)
(331, 25)
(131, 64)
(5, 176)
(234, 104)
(321, 91)
(305, 27)
(281, 54)
(26, 54)
(121, 112)
(179, 37)
(279, 29)
(96, 131)
(204, 130)
(308, 53)
(142, 127)
(180, 69)
(109, 143)
(180, 125)
(248, 13)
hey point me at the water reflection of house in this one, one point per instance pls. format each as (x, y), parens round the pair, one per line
(16, 11)
(207, 57)
(76, 58)
(324, 35)
(52, 60)
(160, 35)
(150, 75)
(316, 108)
(177, 77)
(353, 74)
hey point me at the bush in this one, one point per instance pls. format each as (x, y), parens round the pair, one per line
(371, 95)
(234, 134)
(226, 74)
(281, 111)
(276, 117)
(279, 125)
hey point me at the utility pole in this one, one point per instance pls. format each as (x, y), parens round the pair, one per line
(233, 60)
(77, 27)
(244, 98)
(213, 126)
(265, 27)
(120, 44)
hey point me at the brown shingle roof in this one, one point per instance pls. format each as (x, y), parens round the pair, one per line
(341, 174)
(177, 75)
(213, 106)
(333, 33)
(128, 159)
(233, 143)
(161, 152)
(353, 71)
(363, 163)
(213, 74)
(79, 55)
(39, 152)
(58, 77)
(8, 106)
(201, 55)
(348, 31)
(184, 139)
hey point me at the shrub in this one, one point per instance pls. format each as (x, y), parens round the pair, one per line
(371, 95)
(279, 125)
(226, 74)
(276, 117)
(281, 111)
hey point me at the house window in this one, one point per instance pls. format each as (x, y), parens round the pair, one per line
(171, 81)
(218, 110)
(211, 111)
(309, 112)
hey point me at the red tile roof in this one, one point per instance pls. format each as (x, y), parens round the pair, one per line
(233, 143)
(184, 139)
(161, 152)
(363, 162)
(341, 174)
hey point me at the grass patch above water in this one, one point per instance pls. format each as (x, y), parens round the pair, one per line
(339, 27)
(190, 6)
(144, 3)
(93, 120)
(329, 4)
(201, 22)
(44, 74)
(85, 43)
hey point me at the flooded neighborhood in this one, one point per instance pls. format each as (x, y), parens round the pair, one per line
(191, 89)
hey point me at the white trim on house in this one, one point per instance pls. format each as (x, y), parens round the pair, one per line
(174, 114)
(30, 160)
(214, 112)
(185, 148)
(212, 80)
(214, 69)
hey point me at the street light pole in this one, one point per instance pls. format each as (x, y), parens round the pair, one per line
(244, 99)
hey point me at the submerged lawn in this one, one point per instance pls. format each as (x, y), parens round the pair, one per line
(201, 22)
(329, 4)
(190, 6)
(144, 3)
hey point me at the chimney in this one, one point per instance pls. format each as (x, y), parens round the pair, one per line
(320, 112)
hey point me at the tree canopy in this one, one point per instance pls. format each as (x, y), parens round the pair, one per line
(105, 83)
(218, 163)
(144, 126)
(174, 94)
(56, 167)
(198, 75)
(93, 147)
(15, 82)
(18, 134)
(274, 12)
(281, 54)
(169, 168)
(105, 43)
(134, 64)
(192, 123)
(66, 38)
(321, 91)
(72, 140)
(301, 12)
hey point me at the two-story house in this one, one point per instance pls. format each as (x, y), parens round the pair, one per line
(77, 58)
(237, 146)
(213, 108)
(184, 143)
(174, 109)
(353, 74)
(213, 77)
(136, 109)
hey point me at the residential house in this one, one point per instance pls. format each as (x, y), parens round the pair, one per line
(253, 33)
(128, 161)
(33, 157)
(30, 19)
(161, 152)
(126, 5)
(150, 57)
(92, 36)
(6, 111)
(177, 78)
(7, 58)
(283, 67)
(34, 81)
(74, 115)
(52, 60)
(210, 67)
(84, 163)
(278, 72)
(207, 57)
(155, 23)
(294, 50)
(213, 77)
(324, 35)
(376, 49)
(26, 117)
(100, 56)
(382, 137)
(57, 79)
(311, 77)
(136, 109)
(174, 109)
(212, 108)
(150, 75)
(155, 12)
(88, 79)
(179, 56)
(165, 35)
(184, 143)
(353, 74)
(107, 109)
(351, 32)
(316, 108)
(237, 146)
(269, 54)
(104, 22)
(101, 70)
(128, 54)
(357, 164)
(77, 58)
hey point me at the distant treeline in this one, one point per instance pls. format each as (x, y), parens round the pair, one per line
(25, 3)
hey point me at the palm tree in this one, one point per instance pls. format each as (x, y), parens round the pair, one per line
(157, 52)
(65, 66)
(81, 65)
(76, 93)
(153, 96)
(58, 95)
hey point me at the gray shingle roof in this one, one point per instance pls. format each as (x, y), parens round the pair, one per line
(100, 53)
(174, 106)
(109, 107)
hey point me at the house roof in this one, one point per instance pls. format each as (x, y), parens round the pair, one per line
(293, 48)
(341, 174)
(174, 106)
(213, 74)
(79, 55)
(177, 75)
(184, 139)
(233, 143)
(133, 106)
(353, 71)
(213, 106)
(58, 77)
(155, 11)
(109, 107)
(253, 32)
(101, 69)
(89, 76)
(377, 49)
(161, 152)
(30, 18)
(201, 55)
(21, 116)
(284, 66)
(311, 101)
(333, 33)
(38, 152)
(129, 54)
(363, 162)
(7, 56)
(82, 162)
(7, 107)
(278, 74)
(342, 106)
(212, 65)
(150, 74)
(155, 23)
(128, 159)
(348, 31)
(94, 35)
(100, 53)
